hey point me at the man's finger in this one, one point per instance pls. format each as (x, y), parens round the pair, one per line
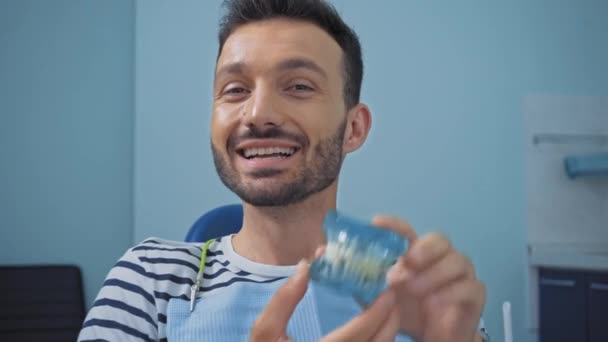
(366, 324)
(397, 225)
(469, 294)
(271, 324)
(456, 311)
(390, 329)
(426, 251)
(450, 268)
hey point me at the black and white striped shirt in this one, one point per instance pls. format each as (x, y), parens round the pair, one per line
(132, 303)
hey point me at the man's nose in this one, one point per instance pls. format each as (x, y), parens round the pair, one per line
(262, 110)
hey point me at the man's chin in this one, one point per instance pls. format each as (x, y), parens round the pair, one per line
(270, 192)
(265, 173)
(266, 187)
(266, 199)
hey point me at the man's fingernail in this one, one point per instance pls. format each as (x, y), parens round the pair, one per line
(300, 270)
(319, 251)
(398, 274)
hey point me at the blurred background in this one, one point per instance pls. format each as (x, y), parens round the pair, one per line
(104, 133)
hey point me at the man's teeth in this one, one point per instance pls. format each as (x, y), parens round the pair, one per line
(344, 259)
(268, 151)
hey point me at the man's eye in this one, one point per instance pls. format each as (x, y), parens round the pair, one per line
(301, 87)
(235, 90)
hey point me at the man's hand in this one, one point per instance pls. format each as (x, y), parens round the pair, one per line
(379, 322)
(438, 295)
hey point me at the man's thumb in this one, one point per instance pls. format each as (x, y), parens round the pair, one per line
(271, 324)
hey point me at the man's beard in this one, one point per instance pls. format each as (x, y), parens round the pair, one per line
(309, 180)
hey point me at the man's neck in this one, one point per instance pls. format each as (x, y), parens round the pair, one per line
(284, 235)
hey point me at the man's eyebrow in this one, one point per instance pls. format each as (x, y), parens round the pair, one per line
(232, 68)
(301, 63)
(288, 64)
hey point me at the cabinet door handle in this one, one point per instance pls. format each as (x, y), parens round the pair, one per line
(599, 286)
(557, 282)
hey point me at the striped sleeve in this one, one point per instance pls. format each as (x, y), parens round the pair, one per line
(125, 308)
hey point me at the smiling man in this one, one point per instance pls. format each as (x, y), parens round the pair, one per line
(286, 112)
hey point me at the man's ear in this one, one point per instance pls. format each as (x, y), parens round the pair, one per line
(358, 124)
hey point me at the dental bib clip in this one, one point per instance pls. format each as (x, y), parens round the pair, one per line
(357, 257)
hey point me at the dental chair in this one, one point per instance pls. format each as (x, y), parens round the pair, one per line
(224, 220)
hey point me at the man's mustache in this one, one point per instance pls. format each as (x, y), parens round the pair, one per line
(268, 133)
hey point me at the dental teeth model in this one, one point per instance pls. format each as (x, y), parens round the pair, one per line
(356, 257)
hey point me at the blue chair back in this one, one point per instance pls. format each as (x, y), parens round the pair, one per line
(224, 220)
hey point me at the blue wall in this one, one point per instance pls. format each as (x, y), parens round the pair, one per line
(66, 133)
(445, 81)
(175, 181)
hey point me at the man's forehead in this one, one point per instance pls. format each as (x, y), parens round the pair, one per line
(279, 42)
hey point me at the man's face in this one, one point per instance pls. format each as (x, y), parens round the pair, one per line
(278, 112)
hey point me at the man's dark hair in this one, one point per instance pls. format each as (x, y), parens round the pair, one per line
(318, 12)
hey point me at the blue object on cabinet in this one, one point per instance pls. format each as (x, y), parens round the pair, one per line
(587, 165)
